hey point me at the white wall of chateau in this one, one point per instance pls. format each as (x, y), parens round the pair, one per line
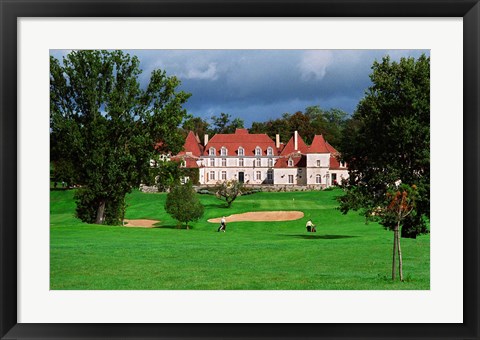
(301, 176)
(312, 159)
(231, 168)
(281, 176)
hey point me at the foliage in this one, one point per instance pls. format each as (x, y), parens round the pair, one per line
(183, 204)
(197, 125)
(167, 174)
(228, 191)
(223, 124)
(164, 174)
(400, 203)
(65, 172)
(105, 125)
(314, 121)
(388, 140)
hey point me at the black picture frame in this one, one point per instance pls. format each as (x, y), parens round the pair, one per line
(11, 10)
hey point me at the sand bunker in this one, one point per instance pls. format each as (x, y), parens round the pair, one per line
(141, 223)
(261, 216)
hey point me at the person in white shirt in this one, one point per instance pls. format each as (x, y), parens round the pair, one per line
(310, 226)
(223, 224)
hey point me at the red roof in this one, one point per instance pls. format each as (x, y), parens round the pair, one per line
(241, 138)
(190, 162)
(299, 161)
(319, 145)
(330, 148)
(191, 145)
(290, 147)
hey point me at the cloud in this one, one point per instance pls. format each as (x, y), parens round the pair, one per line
(256, 85)
(313, 64)
(205, 73)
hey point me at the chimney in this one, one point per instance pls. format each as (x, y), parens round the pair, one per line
(205, 140)
(295, 140)
(277, 141)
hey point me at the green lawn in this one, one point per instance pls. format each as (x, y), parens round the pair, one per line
(345, 253)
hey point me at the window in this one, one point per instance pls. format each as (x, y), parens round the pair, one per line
(240, 162)
(258, 175)
(224, 162)
(258, 151)
(212, 162)
(290, 162)
(342, 164)
(318, 179)
(241, 151)
(290, 179)
(318, 162)
(270, 162)
(258, 162)
(269, 151)
(224, 175)
(212, 175)
(212, 152)
(223, 151)
(270, 175)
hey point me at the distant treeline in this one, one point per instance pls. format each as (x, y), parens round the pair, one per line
(313, 121)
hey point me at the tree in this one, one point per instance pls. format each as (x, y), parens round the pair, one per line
(388, 139)
(166, 174)
(183, 204)
(315, 121)
(222, 124)
(400, 203)
(107, 126)
(228, 191)
(197, 125)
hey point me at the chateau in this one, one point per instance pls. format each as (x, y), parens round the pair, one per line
(255, 159)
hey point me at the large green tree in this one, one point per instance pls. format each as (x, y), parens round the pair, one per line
(107, 125)
(387, 141)
(182, 203)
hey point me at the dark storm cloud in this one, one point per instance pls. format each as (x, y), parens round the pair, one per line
(256, 85)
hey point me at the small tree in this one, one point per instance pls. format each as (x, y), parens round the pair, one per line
(183, 204)
(400, 202)
(228, 191)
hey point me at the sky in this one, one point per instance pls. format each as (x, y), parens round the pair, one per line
(257, 85)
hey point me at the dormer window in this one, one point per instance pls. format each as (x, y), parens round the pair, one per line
(269, 151)
(183, 164)
(290, 162)
(241, 151)
(211, 152)
(223, 151)
(258, 151)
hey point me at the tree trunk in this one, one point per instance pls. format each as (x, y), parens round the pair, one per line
(400, 264)
(395, 231)
(100, 212)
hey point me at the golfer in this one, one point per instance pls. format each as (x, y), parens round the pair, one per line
(223, 224)
(311, 227)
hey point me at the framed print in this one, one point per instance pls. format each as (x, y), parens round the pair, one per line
(269, 120)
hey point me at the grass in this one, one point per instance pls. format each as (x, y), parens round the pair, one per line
(344, 254)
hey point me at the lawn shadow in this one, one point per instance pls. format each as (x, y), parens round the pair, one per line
(315, 236)
(156, 226)
(211, 205)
